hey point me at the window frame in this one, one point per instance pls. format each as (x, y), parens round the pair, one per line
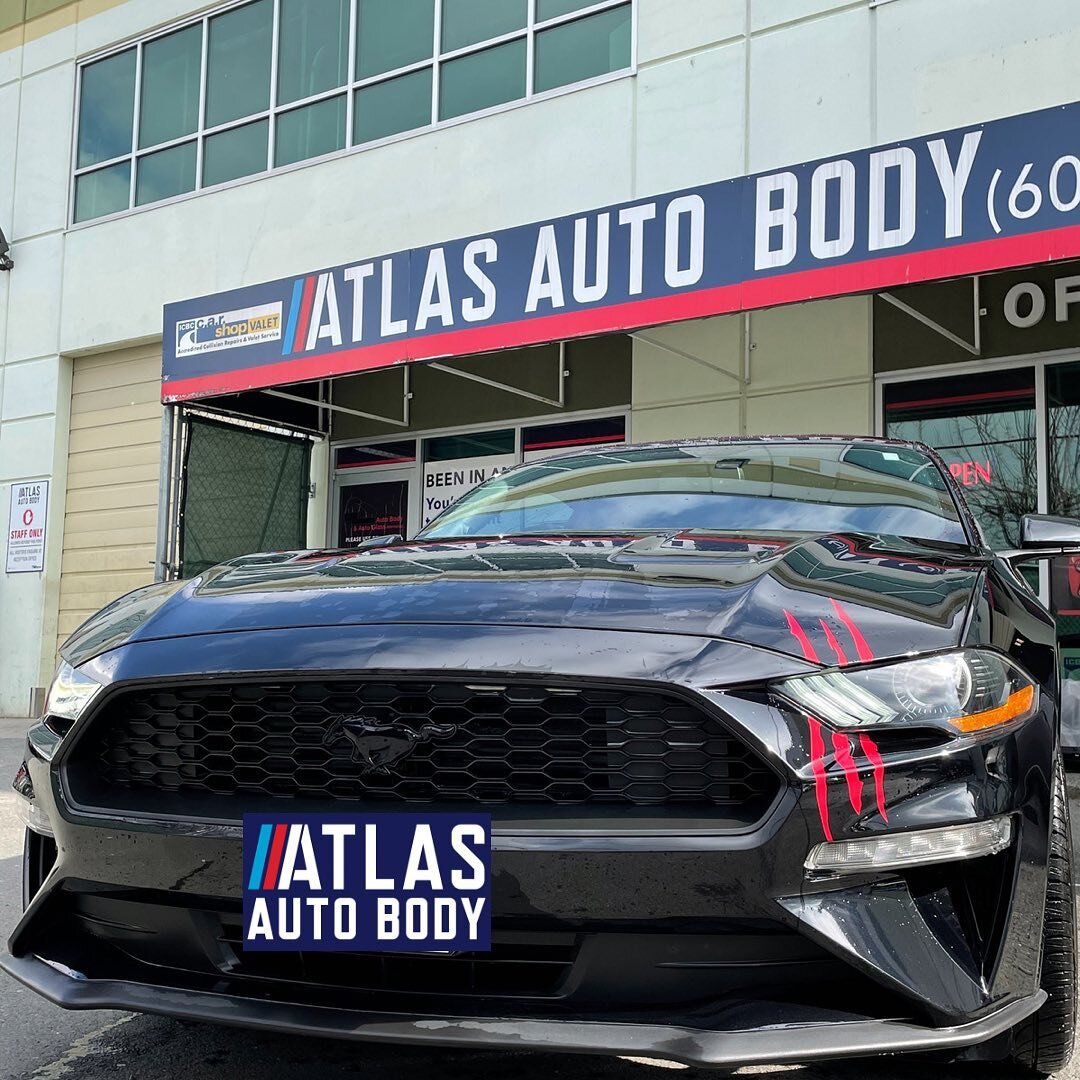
(349, 88)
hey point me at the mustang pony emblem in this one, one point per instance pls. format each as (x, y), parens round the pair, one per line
(378, 746)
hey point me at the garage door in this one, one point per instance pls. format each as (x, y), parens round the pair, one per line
(110, 519)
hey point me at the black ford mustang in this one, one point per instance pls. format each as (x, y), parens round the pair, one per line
(769, 738)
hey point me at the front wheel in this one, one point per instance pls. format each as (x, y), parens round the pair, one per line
(1043, 1043)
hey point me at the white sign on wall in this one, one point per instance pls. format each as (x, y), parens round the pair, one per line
(26, 527)
(446, 481)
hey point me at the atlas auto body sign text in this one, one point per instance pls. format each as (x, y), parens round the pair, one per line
(370, 883)
(1004, 193)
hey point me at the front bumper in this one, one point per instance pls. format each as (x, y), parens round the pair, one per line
(766, 1044)
(694, 945)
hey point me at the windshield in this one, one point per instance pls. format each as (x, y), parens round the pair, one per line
(801, 487)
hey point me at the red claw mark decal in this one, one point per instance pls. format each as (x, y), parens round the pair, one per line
(869, 748)
(842, 746)
(862, 650)
(830, 637)
(799, 634)
(821, 787)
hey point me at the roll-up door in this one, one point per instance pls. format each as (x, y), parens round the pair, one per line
(110, 516)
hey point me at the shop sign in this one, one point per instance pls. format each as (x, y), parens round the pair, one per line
(1001, 194)
(1027, 303)
(970, 473)
(27, 513)
(446, 481)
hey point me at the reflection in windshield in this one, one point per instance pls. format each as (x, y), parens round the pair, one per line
(733, 487)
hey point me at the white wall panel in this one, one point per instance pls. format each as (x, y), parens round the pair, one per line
(9, 132)
(690, 122)
(26, 448)
(810, 90)
(29, 389)
(32, 305)
(666, 28)
(48, 50)
(946, 65)
(44, 152)
(768, 13)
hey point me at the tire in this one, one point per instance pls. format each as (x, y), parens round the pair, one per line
(1043, 1044)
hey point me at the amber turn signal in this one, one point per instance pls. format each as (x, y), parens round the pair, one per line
(1018, 706)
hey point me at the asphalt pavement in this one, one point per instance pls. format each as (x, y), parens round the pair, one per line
(41, 1042)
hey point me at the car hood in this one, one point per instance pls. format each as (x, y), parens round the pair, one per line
(836, 598)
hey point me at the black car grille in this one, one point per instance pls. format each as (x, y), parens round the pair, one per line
(522, 743)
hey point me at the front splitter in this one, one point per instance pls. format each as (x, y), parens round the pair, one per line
(774, 1045)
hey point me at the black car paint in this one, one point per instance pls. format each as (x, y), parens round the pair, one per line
(697, 614)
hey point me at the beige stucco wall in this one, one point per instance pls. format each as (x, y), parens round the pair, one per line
(788, 370)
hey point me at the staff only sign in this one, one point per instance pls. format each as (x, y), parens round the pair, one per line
(27, 509)
(379, 882)
(1004, 193)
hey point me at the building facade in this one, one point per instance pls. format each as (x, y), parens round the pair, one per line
(299, 272)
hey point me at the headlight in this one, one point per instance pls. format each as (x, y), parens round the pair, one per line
(70, 693)
(966, 692)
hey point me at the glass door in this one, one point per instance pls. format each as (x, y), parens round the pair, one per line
(377, 505)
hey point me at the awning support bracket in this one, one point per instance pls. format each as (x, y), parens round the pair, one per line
(406, 400)
(557, 403)
(974, 348)
(740, 379)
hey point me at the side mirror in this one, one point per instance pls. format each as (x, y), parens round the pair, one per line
(1040, 531)
(1043, 536)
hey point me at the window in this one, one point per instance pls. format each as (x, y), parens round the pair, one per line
(269, 83)
(983, 425)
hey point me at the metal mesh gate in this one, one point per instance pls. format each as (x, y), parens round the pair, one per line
(243, 490)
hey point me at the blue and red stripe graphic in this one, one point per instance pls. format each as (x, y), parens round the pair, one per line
(296, 328)
(269, 850)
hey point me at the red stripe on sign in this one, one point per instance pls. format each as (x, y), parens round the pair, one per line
(842, 746)
(821, 785)
(979, 257)
(274, 863)
(799, 634)
(869, 748)
(830, 637)
(306, 304)
(862, 650)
